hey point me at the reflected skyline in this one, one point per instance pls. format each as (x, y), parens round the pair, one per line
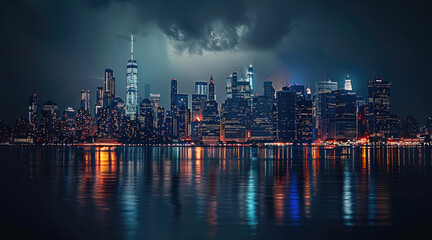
(130, 192)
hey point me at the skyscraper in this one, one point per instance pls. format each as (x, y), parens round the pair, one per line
(33, 108)
(269, 91)
(308, 93)
(198, 104)
(321, 99)
(99, 100)
(109, 88)
(379, 105)
(240, 88)
(146, 121)
(173, 96)
(251, 78)
(211, 93)
(132, 86)
(299, 89)
(228, 86)
(49, 125)
(155, 100)
(304, 122)
(286, 106)
(343, 125)
(201, 88)
(85, 100)
(262, 118)
(348, 86)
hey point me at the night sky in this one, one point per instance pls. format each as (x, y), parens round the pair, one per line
(58, 48)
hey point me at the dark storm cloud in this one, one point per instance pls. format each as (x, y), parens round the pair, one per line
(224, 25)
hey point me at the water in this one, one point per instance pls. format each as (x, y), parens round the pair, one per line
(215, 193)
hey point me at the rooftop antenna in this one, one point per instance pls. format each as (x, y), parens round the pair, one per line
(131, 47)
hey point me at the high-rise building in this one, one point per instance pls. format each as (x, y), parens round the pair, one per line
(343, 125)
(146, 118)
(308, 93)
(181, 116)
(173, 96)
(198, 104)
(201, 88)
(286, 106)
(251, 79)
(304, 121)
(33, 109)
(299, 89)
(240, 88)
(49, 126)
(326, 107)
(326, 86)
(210, 124)
(85, 100)
(83, 124)
(132, 86)
(409, 127)
(155, 100)
(262, 118)
(21, 132)
(235, 120)
(182, 99)
(147, 90)
(117, 118)
(269, 91)
(160, 123)
(321, 97)
(109, 88)
(183, 121)
(228, 86)
(67, 125)
(348, 86)
(99, 100)
(379, 106)
(211, 93)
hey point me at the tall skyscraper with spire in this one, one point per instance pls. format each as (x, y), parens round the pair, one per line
(211, 93)
(131, 86)
(251, 78)
(348, 85)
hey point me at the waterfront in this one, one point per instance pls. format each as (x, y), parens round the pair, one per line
(215, 192)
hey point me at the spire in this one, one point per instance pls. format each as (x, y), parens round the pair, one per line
(131, 47)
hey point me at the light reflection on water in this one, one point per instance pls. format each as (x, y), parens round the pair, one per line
(161, 191)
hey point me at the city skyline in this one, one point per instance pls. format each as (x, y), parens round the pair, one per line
(294, 114)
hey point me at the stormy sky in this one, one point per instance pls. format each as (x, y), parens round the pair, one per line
(58, 48)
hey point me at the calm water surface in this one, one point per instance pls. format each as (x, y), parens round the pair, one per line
(215, 193)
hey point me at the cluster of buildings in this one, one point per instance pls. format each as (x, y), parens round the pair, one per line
(293, 114)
